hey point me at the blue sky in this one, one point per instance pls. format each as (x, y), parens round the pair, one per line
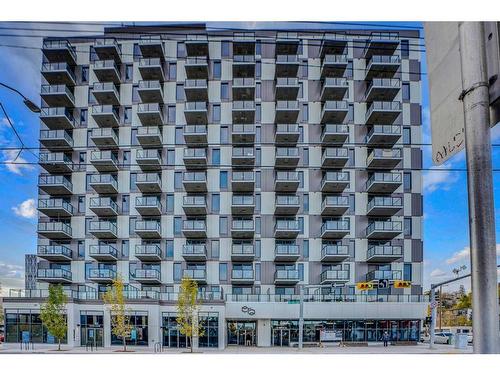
(445, 193)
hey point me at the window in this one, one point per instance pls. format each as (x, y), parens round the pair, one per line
(225, 49)
(172, 71)
(216, 113)
(304, 69)
(82, 157)
(125, 248)
(405, 48)
(222, 271)
(127, 115)
(301, 179)
(258, 113)
(406, 136)
(81, 204)
(135, 94)
(306, 203)
(126, 157)
(129, 69)
(301, 271)
(224, 134)
(407, 226)
(171, 114)
(125, 204)
(407, 272)
(257, 202)
(179, 93)
(215, 248)
(216, 156)
(177, 271)
(178, 180)
(257, 248)
(223, 180)
(257, 179)
(224, 91)
(258, 90)
(258, 69)
(301, 90)
(170, 157)
(170, 249)
(301, 225)
(305, 249)
(83, 116)
(257, 271)
(305, 157)
(179, 136)
(181, 49)
(305, 112)
(85, 74)
(81, 249)
(258, 48)
(170, 203)
(177, 225)
(215, 203)
(405, 91)
(257, 225)
(407, 181)
(217, 70)
(223, 225)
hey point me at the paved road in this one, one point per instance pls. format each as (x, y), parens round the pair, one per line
(371, 349)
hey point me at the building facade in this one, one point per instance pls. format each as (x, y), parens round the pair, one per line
(257, 163)
(30, 271)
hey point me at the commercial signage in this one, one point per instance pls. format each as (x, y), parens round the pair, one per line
(330, 335)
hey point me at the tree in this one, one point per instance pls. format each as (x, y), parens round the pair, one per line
(120, 321)
(187, 310)
(53, 313)
(465, 302)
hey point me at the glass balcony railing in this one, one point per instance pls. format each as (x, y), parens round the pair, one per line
(54, 157)
(243, 152)
(389, 226)
(201, 60)
(103, 155)
(243, 59)
(148, 202)
(286, 275)
(103, 226)
(237, 274)
(55, 203)
(53, 273)
(54, 226)
(287, 151)
(242, 225)
(149, 107)
(287, 176)
(194, 177)
(292, 225)
(103, 250)
(195, 84)
(239, 82)
(335, 82)
(335, 152)
(57, 89)
(143, 85)
(240, 176)
(287, 59)
(150, 250)
(105, 64)
(342, 225)
(384, 130)
(44, 180)
(147, 225)
(287, 81)
(147, 154)
(384, 177)
(194, 225)
(243, 200)
(243, 105)
(150, 62)
(392, 153)
(335, 201)
(106, 109)
(243, 249)
(287, 200)
(195, 106)
(45, 250)
(383, 106)
(194, 200)
(286, 249)
(334, 275)
(336, 177)
(103, 179)
(57, 111)
(330, 59)
(384, 274)
(334, 250)
(57, 67)
(195, 274)
(148, 177)
(194, 249)
(385, 202)
(384, 250)
(147, 274)
(336, 105)
(287, 104)
(383, 59)
(195, 153)
(195, 129)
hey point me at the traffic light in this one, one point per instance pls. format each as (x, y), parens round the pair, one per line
(402, 284)
(364, 286)
(428, 320)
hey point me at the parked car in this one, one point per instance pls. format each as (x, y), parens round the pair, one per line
(2, 337)
(443, 338)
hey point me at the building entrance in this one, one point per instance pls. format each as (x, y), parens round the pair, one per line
(172, 338)
(281, 336)
(242, 333)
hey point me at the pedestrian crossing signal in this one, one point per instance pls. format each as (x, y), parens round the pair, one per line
(402, 284)
(364, 286)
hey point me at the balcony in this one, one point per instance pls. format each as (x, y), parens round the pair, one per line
(196, 90)
(57, 118)
(103, 229)
(383, 275)
(335, 43)
(286, 228)
(334, 276)
(287, 157)
(151, 46)
(244, 43)
(286, 252)
(194, 204)
(287, 88)
(242, 204)
(56, 140)
(383, 135)
(55, 253)
(147, 229)
(57, 96)
(334, 88)
(59, 50)
(58, 73)
(54, 275)
(107, 71)
(334, 253)
(334, 112)
(150, 114)
(55, 207)
(243, 89)
(383, 112)
(387, 230)
(381, 182)
(104, 183)
(334, 157)
(103, 253)
(104, 137)
(382, 66)
(106, 115)
(152, 68)
(150, 91)
(56, 162)
(199, 275)
(287, 112)
(383, 253)
(194, 252)
(147, 276)
(334, 134)
(194, 181)
(334, 65)
(55, 230)
(242, 228)
(243, 112)
(381, 43)
(195, 135)
(287, 43)
(287, 133)
(242, 252)
(106, 93)
(335, 228)
(107, 48)
(382, 89)
(149, 159)
(380, 158)
(242, 276)
(243, 157)
(148, 206)
(197, 45)
(287, 65)
(243, 65)
(286, 205)
(196, 67)
(195, 157)
(243, 181)
(104, 161)
(286, 277)
(334, 205)
(148, 182)
(286, 181)
(194, 228)
(148, 253)
(196, 113)
(384, 206)
(243, 133)
(149, 136)
(55, 185)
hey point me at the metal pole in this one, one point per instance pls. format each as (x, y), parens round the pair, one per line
(301, 317)
(432, 328)
(480, 188)
(440, 307)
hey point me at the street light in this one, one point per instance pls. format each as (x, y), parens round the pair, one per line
(28, 103)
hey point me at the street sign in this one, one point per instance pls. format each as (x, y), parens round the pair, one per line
(293, 302)
(434, 304)
(383, 284)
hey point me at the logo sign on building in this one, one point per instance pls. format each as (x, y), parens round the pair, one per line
(247, 310)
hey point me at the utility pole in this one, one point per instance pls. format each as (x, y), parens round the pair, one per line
(440, 307)
(432, 328)
(301, 317)
(475, 99)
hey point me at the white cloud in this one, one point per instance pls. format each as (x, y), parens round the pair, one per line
(11, 277)
(26, 209)
(14, 165)
(439, 177)
(437, 273)
(464, 255)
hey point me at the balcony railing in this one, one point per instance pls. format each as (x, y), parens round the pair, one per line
(334, 275)
(286, 275)
(335, 224)
(194, 249)
(147, 225)
(292, 225)
(54, 226)
(238, 224)
(149, 250)
(195, 274)
(53, 273)
(385, 202)
(46, 180)
(384, 274)
(334, 250)
(243, 249)
(384, 250)
(147, 274)
(194, 225)
(103, 250)
(103, 225)
(389, 226)
(286, 249)
(237, 274)
(54, 250)
(55, 203)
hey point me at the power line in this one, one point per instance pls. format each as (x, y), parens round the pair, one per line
(23, 146)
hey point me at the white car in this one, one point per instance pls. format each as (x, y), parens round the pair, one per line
(443, 338)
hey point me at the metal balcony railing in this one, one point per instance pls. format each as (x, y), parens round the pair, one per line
(287, 200)
(103, 250)
(385, 202)
(55, 203)
(44, 180)
(286, 249)
(54, 250)
(334, 250)
(388, 250)
(54, 226)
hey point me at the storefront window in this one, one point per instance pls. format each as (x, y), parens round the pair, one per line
(139, 333)
(27, 324)
(209, 323)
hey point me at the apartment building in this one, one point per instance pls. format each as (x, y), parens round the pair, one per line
(264, 165)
